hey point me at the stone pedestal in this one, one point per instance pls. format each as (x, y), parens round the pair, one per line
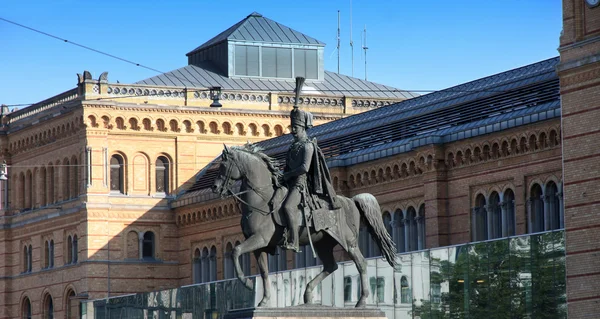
(306, 312)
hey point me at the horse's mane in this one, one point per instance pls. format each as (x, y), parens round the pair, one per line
(257, 151)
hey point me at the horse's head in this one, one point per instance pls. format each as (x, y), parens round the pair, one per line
(229, 171)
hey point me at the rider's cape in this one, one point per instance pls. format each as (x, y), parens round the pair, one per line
(319, 180)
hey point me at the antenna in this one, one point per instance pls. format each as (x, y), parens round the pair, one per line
(338, 42)
(351, 42)
(365, 48)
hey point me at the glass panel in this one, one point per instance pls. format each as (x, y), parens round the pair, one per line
(252, 62)
(458, 276)
(269, 62)
(478, 283)
(284, 63)
(312, 64)
(499, 276)
(520, 279)
(240, 60)
(421, 282)
(299, 62)
(402, 288)
(439, 279)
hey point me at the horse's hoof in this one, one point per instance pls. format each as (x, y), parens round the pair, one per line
(248, 284)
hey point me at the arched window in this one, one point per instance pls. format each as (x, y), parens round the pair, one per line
(66, 179)
(197, 267)
(494, 216)
(48, 308)
(553, 216)
(398, 231)
(479, 219)
(29, 259)
(387, 222)
(536, 214)
(162, 175)
(43, 186)
(405, 293)
(228, 262)
(227, 128)
(212, 264)
(69, 249)
(51, 254)
(239, 129)
(116, 174)
(204, 267)
(509, 211)
(253, 129)
(50, 185)
(266, 130)
(46, 254)
(71, 306)
(214, 129)
(74, 178)
(26, 309)
(25, 259)
(278, 130)
(148, 245)
(421, 227)
(75, 249)
(411, 229)
(29, 192)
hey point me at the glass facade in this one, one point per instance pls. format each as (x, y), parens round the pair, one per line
(517, 277)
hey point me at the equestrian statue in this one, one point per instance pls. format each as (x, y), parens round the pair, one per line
(297, 207)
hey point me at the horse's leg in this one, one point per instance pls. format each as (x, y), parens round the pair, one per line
(252, 243)
(361, 265)
(325, 252)
(263, 264)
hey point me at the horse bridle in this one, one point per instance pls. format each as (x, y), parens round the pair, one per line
(229, 181)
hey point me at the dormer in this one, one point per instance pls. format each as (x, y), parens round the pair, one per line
(258, 47)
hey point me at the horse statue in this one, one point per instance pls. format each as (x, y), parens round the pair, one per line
(264, 229)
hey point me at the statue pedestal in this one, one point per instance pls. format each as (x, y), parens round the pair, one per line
(306, 312)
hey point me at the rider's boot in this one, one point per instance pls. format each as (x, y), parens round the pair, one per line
(292, 244)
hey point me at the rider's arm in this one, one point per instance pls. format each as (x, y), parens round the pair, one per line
(302, 169)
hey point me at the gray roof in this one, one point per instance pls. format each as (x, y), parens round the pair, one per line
(257, 28)
(517, 97)
(205, 74)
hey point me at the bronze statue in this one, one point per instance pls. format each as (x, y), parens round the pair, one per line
(312, 212)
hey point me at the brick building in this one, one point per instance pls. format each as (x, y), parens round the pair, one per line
(90, 172)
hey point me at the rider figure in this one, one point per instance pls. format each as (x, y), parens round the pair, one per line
(306, 175)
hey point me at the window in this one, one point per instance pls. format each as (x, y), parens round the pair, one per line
(421, 227)
(495, 216)
(72, 306)
(398, 231)
(25, 259)
(276, 62)
(246, 60)
(204, 271)
(148, 245)
(378, 289)
(48, 308)
(69, 249)
(536, 210)
(49, 254)
(479, 219)
(26, 309)
(347, 289)
(116, 174)
(509, 202)
(405, 294)
(75, 250)
(29, 259)
(554, 208)
(197, 267)
(228, 262)
(411, 229)
(306, 63)
(74, 178)
(66, 179)
(162, 175)
(212, 264)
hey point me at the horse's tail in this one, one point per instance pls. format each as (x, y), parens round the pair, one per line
(369, 209)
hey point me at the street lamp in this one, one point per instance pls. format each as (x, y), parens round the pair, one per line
(215, 95)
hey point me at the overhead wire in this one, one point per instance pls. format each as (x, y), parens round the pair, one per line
(194, 82)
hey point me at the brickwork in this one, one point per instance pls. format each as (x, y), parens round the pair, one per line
(579, 74)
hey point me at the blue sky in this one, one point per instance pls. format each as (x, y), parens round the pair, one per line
(414, 45)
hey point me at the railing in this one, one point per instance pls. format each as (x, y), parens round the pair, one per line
(516, 277)
(44, 105)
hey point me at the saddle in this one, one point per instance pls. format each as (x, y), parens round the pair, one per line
(318, 212)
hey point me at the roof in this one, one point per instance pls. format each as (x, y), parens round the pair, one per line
(257, 28)
(517, 97)
(205, 74)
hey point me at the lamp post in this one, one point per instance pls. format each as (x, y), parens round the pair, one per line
(215, 95)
